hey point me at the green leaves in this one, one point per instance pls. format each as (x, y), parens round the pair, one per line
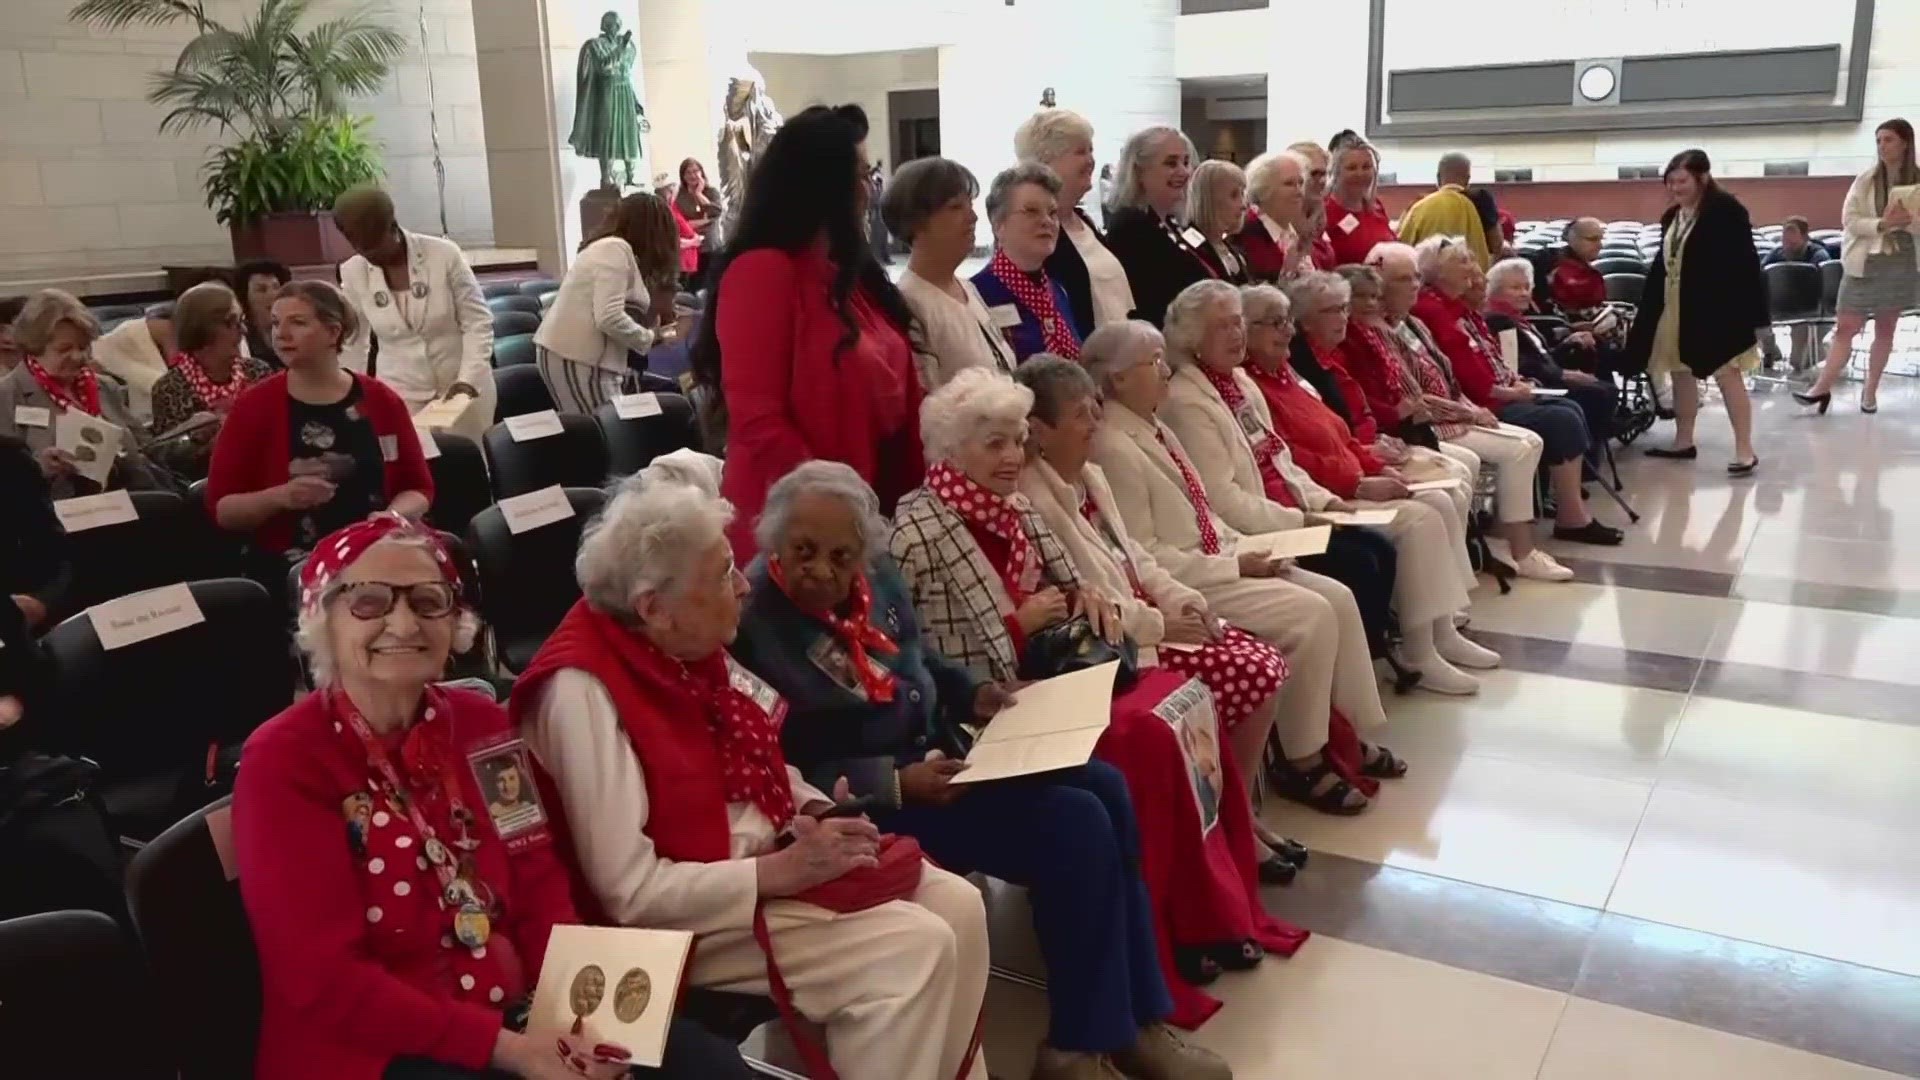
(304, 167)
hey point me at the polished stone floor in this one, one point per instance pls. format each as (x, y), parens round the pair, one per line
(1675, 836)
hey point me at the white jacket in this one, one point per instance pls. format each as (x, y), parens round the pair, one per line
(1217, 442)
(588, 322)
(1862, 225)
(443, 335)
(1152, 499)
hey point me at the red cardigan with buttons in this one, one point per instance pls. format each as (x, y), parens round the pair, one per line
(1319, 438)
(355, 965)
(1446, 318)
(793, 393)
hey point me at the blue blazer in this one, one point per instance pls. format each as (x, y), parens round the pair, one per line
(1027, 338)
(831, 729)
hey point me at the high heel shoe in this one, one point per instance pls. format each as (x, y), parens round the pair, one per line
(1869, 405)
(1824, 401)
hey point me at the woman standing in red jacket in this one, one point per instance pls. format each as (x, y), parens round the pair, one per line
(806, 351)
(400, 909)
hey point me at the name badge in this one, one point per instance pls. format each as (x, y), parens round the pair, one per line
(506, 783)
(764, 697)
(1348, 224)
(536, 509)
(1004, 316)
(1193, 237)
(32, 416)
(133, 619)
(636, 406)
(532, 426)
(93, 511)
(389, 447)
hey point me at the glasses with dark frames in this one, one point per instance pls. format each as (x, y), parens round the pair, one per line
(370, 600)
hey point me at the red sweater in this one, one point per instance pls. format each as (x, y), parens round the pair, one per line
(1334, 362)
(1365, 359)
(1368, 227)
(1576, 285)
(689, 256)
(254, 449)
(1447, 318)
(354, 967)
(1319, 439)
(792, 395)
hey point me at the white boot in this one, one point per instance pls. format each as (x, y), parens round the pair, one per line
(1458, 650)
(1417, 652)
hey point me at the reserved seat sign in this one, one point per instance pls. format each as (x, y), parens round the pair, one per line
(133, 619)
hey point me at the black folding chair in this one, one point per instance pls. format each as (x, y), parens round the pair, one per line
(492, 289)
(159, 548)
(526, 579)
(508, 323)
(460, 488)
(514, 301)
(1630, 263)
(1625, 287)
(633, 444)
(1796, 297)
(75, 999)
(539, 287)
(576, 457)
(520, 389)
(510, 350)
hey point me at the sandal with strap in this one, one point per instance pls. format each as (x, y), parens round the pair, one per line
(1381, 764)
(1310, 788)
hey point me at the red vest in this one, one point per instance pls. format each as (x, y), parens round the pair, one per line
(666, 723)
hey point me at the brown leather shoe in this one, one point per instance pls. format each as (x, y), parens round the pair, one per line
(1161, 1054)
(1051, 1064)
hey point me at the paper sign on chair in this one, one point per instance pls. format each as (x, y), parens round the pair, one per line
(537, 425)
(144, 615)
(636, 406)
(535, 509)
(85, 512)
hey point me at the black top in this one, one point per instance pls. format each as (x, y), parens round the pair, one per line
(33, 545)
(1158, 262)
(336, 441)
(1067, 267)
(1305, 364)
(1723, 299)
(260, 347)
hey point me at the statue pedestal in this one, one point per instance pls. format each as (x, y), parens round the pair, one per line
(595, 206)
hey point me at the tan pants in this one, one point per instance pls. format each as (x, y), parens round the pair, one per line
(1312, 620)
(1515, 460)
(898, 987)
(1430, 549)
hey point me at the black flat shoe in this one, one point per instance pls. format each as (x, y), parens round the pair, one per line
(1822, 400)
(1292, 851)
(1243, 955)
(1743, 468)
(1195, 966)
(1275, 870)
(1688, 454)
(1591, 533)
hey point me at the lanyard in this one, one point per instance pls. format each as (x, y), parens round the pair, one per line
(1091, 511)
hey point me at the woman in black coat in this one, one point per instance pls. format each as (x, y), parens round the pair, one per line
(1702, 302)
(1146, 226)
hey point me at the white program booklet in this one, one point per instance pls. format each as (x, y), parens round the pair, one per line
(1290, 544)
(618, 984)
(1052, 724)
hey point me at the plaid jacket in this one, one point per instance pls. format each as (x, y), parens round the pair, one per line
(958, 593)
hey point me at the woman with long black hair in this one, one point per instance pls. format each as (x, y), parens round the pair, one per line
(805, 351)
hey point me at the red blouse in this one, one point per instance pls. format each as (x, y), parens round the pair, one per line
(1353, 233)
(689, 256)
(998, 551)
(1370, 362)
(356, 962)
(1576, 285)
(1319, 439)
(1365, 427)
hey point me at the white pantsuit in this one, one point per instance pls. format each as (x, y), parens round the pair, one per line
(1310, 618)
(1514, 454)
(434, 333)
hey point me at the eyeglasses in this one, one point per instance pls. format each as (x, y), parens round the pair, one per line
(1276, 322)
(370, 600)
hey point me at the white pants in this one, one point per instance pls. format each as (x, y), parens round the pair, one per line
(1515, 456)
(898, 987)
(1454, 502)
(1314, 623)
(1431, 546)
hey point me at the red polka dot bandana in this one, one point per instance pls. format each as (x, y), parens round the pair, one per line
(211, 394)
(1196, 495)
(343, 548)
(1037, 297)
(745, 714)
(999, 517)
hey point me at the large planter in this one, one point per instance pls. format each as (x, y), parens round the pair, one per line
(294, 238)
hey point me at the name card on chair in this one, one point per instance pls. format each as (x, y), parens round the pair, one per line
(535, 509)
(618, 985)
(429, 449)
(133, 619)
(93, 511)
(1289, 544)
(636, 406)
(538, 425)
(1052, 724)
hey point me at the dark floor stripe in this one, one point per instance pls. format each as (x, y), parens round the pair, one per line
(1595, 663)
(1823, 1006)
(1898, 603)
(1672, 579)
(1839, 695)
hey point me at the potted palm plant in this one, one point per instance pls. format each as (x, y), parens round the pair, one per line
(278, 87)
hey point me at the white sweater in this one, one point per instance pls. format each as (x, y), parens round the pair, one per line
(1863, 236)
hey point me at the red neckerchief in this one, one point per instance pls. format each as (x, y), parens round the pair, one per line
(1037, 297)
(1091, 511)
(1264, 451)
(1196, 494)
(855, 631)
(87, 400)
(998, 516)
(1404, 376)
(210, 393)
(745, 735)
(1488, 343)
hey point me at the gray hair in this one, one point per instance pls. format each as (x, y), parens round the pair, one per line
(1010, 180)
(1056, 382)
(824, 477)
(1506, 268)
(43, 313)
(1454, 163)
(1357, 274)
(685, 466)
(1115, 348)
(1206, 193)
(1049, 135)
(961, 412)
(1133, 156)
(1431, 255)
(1263, 301)
(921, 188)
(1264, 173)
(1315, 291)
(313, 626)
(1185, 324)
(647, 540)
(1391, 251)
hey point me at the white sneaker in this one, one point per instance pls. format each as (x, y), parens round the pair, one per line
(1443, 678)
(1461, 652)
(1539, 566)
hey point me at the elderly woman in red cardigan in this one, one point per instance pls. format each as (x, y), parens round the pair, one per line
(805, 351)
(400, 920)
(315, 447)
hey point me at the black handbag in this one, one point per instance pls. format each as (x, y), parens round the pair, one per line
(1074, 646)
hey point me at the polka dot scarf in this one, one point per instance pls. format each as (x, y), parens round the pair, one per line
(211, 394)
(744, 714)
(999, 517)
(1037, 296)
(83, 394)
(1264, 451)
(1196, 495)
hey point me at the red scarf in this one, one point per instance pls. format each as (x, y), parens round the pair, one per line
(855, 631)
(746, 735)
(1196, 495)
(1264, 451)
(1037, 296)
(998, 516)
(211, 394)
(87, 399)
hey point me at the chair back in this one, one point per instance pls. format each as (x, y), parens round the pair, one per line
(1628, 263)
(520, 389)
(1793, 292)
(539, 287)
(509, 323)
(1625, 287)
(1831, 272)
(632, 444)
(76, 1001)
(186, 907)
(222, 553)
(492, 289)
(577, 457)
(513, 300)
(158, 548)
(460, 487)
(526, 580)
(515, 348)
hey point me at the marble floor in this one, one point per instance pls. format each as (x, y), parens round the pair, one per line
(1673, 837)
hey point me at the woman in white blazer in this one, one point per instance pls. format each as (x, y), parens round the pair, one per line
(418, 295)
(1310, 618)
(617, 298)
(1207, 344)
(1882, 262)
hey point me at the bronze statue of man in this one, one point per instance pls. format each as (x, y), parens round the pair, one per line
(607, 117)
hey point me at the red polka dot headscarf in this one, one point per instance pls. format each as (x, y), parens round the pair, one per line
(341, 549)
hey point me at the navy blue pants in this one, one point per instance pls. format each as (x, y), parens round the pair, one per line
(1070, 839)
(1560, 423)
